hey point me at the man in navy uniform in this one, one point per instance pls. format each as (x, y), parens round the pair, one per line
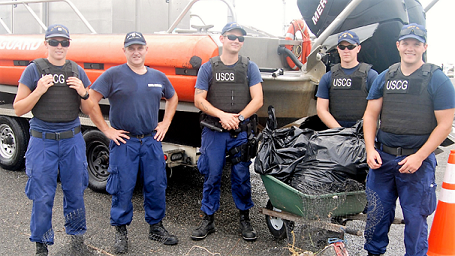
(415, 102)
(228, 92)
(54, 89)
(134, 92)
(342, 91)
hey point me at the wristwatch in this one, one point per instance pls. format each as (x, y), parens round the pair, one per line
(85, 96)
(241, 118)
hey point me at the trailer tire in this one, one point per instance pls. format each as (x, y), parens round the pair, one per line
(97, 148)
(14, 138)
(276, 226)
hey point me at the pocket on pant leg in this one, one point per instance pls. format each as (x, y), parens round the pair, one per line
(202, 164)
(85, 176)
(112, 186)
(429, 201)
(30, 190)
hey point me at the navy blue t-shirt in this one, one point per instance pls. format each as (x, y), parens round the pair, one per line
(204, 76)
(134, 99)
(443, 96)
(30, 78)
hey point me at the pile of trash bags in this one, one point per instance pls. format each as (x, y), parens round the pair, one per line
(314, 162)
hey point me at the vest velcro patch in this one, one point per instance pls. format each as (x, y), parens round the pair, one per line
(396, 86)
(225, 77)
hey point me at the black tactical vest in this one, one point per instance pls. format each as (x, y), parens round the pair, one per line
(60, 103)
(407, 106)
(348, 94)
(229, 90)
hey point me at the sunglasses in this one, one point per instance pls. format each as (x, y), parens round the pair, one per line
(350, 47)
(413, 30)
(233, 37)
(53, 42)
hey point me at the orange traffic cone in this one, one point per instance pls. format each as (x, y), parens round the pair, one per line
(442, 235)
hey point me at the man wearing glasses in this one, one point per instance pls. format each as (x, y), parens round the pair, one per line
(414, 102)
(228, 92)
(54, 89)
(343, 90)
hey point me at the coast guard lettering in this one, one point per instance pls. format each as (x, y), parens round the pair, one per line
(225, 77)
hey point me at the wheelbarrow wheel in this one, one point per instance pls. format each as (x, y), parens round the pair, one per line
(276, 226)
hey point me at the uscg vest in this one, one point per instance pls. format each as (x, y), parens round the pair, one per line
(348, 94)
(407, 106)
(229, 90)
(60, 103)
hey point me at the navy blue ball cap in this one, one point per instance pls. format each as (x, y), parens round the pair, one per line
(349, 37)
(57, 30)
(134, 38)
(231, 26)
(415, 31)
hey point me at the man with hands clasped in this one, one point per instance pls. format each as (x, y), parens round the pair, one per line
(415, 102)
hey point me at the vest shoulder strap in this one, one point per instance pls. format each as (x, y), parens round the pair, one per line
(335, 68)
(429, 68)
(244, 61)
(364, 68)
(215, 61)
(74, 68)
(45, 68)
(393, 70)
(43, 65)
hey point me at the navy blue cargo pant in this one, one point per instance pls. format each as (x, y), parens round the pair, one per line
(142, 157)
(214, 146)
(44, 159)
(417, 193)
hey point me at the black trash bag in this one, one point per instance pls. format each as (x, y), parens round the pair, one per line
(339, 149)
(313, 123)
(333, 158)
(280, 148)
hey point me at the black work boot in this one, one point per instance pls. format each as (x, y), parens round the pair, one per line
(248, 232)
(206, 227)
(41, 249)
(77, 244)
(121, 239)
(159, 233)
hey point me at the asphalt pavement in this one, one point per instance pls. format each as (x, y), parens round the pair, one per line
(183, 215)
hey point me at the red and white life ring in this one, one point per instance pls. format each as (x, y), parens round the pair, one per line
(300, 51)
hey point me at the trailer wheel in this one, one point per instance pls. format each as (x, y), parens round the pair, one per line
(276, 225)
(97, 146)
(13, 143)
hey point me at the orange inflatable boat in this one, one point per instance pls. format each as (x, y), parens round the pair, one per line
(178, 56)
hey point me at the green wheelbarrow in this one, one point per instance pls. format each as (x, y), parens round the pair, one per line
(287, 205)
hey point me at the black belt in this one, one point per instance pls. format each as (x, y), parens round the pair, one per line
(141, 136)
(57, 135)
(399, 151)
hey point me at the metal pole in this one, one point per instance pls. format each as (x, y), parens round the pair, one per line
(26, 2)
(430, 5)
(44, 27)
(5, 26)
(188, 7)
(335, 24)
(81, 16)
